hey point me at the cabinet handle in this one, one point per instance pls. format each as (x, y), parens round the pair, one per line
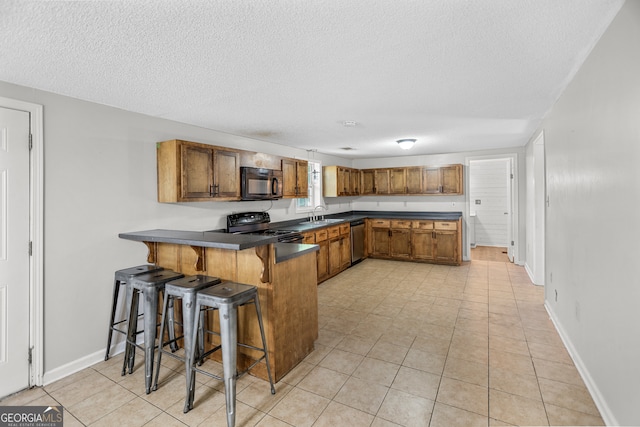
(211, 191)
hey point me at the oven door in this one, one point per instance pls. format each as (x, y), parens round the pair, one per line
(260, 184)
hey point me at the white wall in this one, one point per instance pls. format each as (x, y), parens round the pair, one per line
(592, 146)
(100, 180)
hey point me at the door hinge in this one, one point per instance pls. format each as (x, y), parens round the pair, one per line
(512, 243)
(30, 355)
(30, 142)
(511, 176)
(30, 248)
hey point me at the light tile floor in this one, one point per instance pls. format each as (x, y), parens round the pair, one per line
(400, 344)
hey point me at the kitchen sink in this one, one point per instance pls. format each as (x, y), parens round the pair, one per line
(323, 221)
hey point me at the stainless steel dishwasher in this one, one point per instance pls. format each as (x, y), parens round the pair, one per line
(357, 241)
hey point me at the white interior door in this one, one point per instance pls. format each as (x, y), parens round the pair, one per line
(14, 251)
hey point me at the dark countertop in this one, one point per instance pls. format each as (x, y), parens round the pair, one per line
(238, 242)
(205, 239)
(305, 225)
(286, 251)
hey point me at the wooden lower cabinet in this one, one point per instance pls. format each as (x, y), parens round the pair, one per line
(416, 240)
(334, 255)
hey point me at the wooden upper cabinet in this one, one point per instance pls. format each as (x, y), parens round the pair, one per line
(367, 181)
(414, 180)
(451, 179)
(443, 180)
(226, 174)
(343, 181)
(296, 178)
(398, 181)
(381, 182)
(355, 182)
(340, 181)
(191, 172)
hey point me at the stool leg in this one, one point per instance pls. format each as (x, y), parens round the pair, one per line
(264, 343)
(229, 339)
(114, 303)
(132, 325)
(150, 319)
(190, 361)
(172, 328)
(201, 336)
(161, 335)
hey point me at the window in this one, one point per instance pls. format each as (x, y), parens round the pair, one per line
(315, 189)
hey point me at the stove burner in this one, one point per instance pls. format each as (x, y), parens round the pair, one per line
(257, 223)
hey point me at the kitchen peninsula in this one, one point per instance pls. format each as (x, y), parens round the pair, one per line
(287, 292)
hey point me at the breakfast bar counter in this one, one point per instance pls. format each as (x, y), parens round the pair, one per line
(284, 274)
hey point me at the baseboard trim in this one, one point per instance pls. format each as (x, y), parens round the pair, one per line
(607, 416)
(529, 273)
(79, 364)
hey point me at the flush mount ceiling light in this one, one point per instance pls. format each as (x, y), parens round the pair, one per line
(406, 144)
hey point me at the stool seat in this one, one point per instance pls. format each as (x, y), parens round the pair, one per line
(227, 297)
(228, 293)
(184, 289)
(121, 278)
(149, 285)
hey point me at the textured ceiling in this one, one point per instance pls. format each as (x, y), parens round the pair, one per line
(455, 74)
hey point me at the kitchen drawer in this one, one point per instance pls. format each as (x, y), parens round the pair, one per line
(333, 231)
(345, 228)
(400, 223)
(309, 238)
(446, 225)
(380, 223)
(321, 235)
(422, 225)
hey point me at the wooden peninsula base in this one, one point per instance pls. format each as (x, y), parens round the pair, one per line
(287, 291)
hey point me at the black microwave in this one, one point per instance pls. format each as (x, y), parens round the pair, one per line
(260, 184)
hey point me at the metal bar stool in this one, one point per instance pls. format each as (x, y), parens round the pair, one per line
(121, 279)
(184, 289)
(150, 285)
(227, 297)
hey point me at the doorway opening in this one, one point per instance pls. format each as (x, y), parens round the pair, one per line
(492, 215)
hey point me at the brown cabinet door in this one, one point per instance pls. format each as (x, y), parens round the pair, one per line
(397, 181)
(289, 178)
(431, 180)
(322, 261)
(380, 241)
(296, 178)
(345, 252)
(196, 172)
(334, 256)
(451, 177)
(302, 179)
(226, 174)
(344, 181)
(422, 244)
(400, 243)
(414, 180)
(382, 181)
(355, 182)
(446, 246)
(368, 181)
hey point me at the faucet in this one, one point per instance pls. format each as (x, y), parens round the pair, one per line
(314, 217)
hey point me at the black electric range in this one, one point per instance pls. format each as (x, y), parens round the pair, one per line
(257, 223)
